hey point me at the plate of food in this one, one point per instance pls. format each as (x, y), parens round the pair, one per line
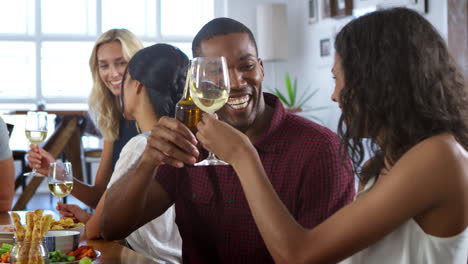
(67, 224)
(83, 254)
(6, 229)
(6, 233)
(38, 228)
(5, 252)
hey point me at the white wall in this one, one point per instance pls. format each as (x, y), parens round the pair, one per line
(304, 52)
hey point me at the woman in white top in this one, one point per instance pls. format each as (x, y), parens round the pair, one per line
(153, 84)
(397, 85)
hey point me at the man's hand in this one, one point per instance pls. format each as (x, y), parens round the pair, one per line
(170, 142)
(39, 159)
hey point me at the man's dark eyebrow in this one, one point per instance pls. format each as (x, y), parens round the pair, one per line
(248, 56)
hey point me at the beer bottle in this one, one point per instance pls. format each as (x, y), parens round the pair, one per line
(186, 110)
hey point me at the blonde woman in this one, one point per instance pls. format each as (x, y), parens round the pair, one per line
(109, 58)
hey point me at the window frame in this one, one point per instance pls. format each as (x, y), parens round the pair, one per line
(73, 102)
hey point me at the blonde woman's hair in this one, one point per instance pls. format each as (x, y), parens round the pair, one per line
(103, 105)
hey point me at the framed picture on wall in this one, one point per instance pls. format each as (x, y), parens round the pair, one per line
(313, 11)
(422, 6)
(326, 11)
(325, 47)
(341, 8)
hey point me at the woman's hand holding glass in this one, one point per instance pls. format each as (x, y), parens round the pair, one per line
(213, 133)
(39, 159)
(60, 179)
(36, 130)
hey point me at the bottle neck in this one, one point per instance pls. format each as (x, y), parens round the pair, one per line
(186, 97)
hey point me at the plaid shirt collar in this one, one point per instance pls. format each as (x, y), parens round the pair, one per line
(279, 114)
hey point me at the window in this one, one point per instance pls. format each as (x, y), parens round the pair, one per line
(45, 44)
(18, 63)
(182, 10)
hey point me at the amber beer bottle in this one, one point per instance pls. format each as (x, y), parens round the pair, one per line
(186, 110)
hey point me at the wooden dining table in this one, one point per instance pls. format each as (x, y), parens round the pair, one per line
(111, 251)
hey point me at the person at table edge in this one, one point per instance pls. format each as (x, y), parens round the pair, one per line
(7, 170)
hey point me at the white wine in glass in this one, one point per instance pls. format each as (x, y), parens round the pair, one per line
(209, 99)
(36, 129)
(60, 179)
(209, 88)
(36, 137)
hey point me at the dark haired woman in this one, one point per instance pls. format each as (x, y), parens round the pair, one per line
(153, 84)
(397, 85)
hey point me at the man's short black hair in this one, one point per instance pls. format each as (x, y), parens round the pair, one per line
(217, 27)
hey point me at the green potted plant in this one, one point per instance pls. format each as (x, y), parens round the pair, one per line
(295, 104)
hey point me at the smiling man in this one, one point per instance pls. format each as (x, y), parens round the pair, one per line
(304, 161)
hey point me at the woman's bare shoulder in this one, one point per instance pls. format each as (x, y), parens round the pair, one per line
(438, 159)
(443, 147)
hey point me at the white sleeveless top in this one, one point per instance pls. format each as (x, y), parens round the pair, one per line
(409, 244)
(158, 239)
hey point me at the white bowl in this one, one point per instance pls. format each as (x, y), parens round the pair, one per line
(78, 228)
(65, 241)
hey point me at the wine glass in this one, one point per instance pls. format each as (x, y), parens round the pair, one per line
(36, 130)
(60, 179)
(209, 88)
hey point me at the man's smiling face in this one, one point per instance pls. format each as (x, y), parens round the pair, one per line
(245, 75)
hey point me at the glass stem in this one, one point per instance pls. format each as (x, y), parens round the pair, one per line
(211, 156)
(34, 172)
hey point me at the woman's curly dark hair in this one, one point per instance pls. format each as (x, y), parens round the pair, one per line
(401, 87)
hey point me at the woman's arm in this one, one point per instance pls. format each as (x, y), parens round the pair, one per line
(92, 226)
(7, 185)
(90, 194)
(394, 199)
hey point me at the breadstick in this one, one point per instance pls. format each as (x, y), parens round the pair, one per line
(45, 224)
(23, 256)
(34, 254)
(29, 225)
(19, 230)
(36, 229)
(38, 213)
